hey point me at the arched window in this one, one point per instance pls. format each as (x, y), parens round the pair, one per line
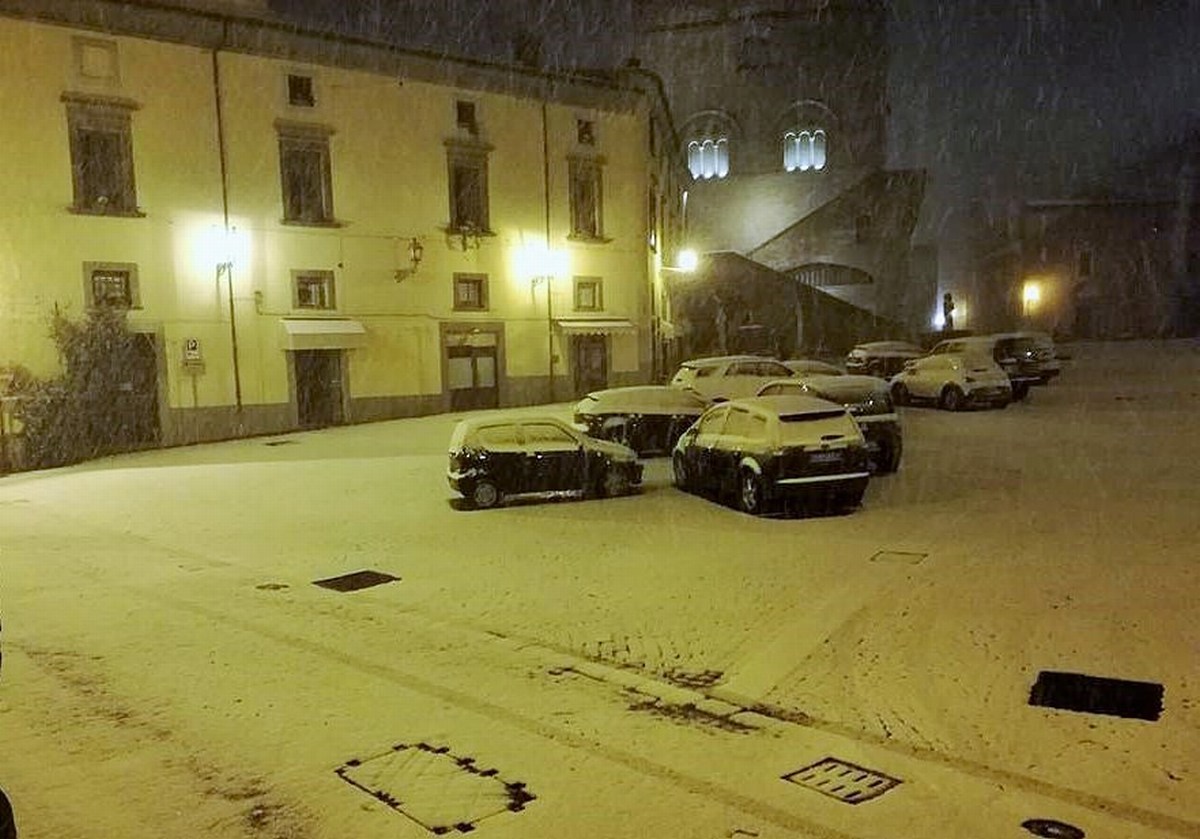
(804, 150)
(709, 158)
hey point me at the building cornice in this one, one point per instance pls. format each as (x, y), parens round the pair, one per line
(254, 35)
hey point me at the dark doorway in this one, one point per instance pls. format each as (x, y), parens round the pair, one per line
(589, 363)
(471, 377)
(139, 392)
(319, 387)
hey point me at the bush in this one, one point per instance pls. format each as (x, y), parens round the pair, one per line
(98, 405)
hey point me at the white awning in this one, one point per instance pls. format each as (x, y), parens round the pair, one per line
(322, 334)
(594, 326)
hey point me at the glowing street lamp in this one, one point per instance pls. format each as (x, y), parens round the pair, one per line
(1031, 296)
(688, 260)
(541, 264)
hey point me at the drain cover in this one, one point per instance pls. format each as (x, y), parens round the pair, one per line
(906, 557)
(1096, 695)
(844, 781)
(355, 581)
(1051, 829)
(436, 789)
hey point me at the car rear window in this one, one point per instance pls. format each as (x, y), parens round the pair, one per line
(798, 426)
(812, 416)
(498, 435)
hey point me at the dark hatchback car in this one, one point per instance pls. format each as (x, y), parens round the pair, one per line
(869, 401)
(766, 450)
(648, 419)
(499, 457)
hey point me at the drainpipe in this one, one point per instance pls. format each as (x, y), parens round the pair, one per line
(228, 266)
(550, 275)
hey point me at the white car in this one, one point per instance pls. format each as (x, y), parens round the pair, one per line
(953, 381)
(725, 377)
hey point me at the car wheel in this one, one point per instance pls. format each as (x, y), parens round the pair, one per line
(1020, 391)
(616, 481)
(680, 473)
(1002, 404)
(900, 394)
(888, 459)
(485, 495)
(750, 492)
(952, 399)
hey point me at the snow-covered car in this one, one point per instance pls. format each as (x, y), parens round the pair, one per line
(881, 358)
(768, 449)
(728, 376)
(648, 419)
(953, 381)
(498, 457)
(869, 401)
(812, 367)
(1015, 355)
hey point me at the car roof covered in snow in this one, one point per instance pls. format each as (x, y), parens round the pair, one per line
(643, 399)
(789, 405)
(851, 388)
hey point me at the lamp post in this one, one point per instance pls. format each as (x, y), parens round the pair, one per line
(227, 250)
(541, 264)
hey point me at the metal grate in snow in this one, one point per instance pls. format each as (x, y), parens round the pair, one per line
(438, 790)
(355, 580)
(1097, 695)
(906, 557)
(842, 780)
(1051, 829)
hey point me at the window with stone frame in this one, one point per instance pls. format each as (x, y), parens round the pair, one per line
(101, 143)
(313, 290)
(111, 285)
(585, 132)
(305, 173)
(464, 117)
(467, 166)
(589, 294)
(587, 198)
(470, 292)
(300, 91)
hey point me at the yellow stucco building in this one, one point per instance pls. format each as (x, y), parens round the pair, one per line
(311, 230)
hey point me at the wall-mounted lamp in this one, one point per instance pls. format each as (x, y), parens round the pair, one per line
(416, 252)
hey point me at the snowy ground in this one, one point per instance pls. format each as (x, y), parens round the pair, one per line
(648, 666)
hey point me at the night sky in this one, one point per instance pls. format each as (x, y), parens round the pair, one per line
(998, 101)
(1036, 99)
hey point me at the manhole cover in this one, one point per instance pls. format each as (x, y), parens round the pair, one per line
(906, 557)
(844, 781)
(438, 790)
(1097, 695)
(1051, 829)
(355, 581)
